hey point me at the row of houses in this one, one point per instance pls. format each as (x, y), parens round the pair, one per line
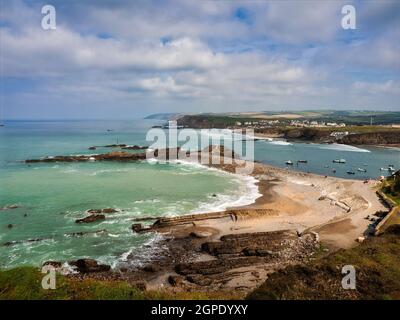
(307, 123)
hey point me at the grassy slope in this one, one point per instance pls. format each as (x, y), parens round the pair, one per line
(377, 263)
(24, 283)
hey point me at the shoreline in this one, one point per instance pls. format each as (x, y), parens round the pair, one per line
(296, 215)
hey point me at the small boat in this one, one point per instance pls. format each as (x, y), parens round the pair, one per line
(302, 161)
(339, 161)
(350, 172)
(391, 168)
(384, 169)
(362, 170)
(289, 162)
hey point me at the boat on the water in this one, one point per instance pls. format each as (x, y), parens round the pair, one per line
(362, 170)
(384, 169)
(339, 161)
(289, 162)
(350, 172)
(302, 161)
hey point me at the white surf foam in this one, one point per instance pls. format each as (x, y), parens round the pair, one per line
(246, 194)
(280, 143)
(341, 147)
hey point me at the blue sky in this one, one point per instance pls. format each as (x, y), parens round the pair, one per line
(124, 59)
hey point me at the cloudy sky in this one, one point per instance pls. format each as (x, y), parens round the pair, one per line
(123, 59)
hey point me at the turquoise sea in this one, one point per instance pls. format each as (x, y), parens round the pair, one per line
(50, 197)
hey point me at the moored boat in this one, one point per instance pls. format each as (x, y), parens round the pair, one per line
(339, 161)
(289, 162)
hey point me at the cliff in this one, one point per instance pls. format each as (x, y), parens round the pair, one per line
(373, 138)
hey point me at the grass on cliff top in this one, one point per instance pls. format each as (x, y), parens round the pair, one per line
(24, 283)
(391, 187)
(377, 264)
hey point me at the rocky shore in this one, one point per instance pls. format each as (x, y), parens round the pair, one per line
(297, 216)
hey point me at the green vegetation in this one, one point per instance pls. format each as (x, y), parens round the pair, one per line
(351, 118)
(377, 265)
(391, 187)
(24, 283)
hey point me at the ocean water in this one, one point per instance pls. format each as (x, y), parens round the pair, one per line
(51, 196)
(320, 158)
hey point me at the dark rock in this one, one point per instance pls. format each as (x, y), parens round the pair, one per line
(115, 145)
(83, 233)
(137, 227)
(91, 218)
(199, 280)
(216, 266)
(106, 210)
(89, 265)
(112, 156)
(175, 280)
(151, 268)
(135, 147)
(9, 207)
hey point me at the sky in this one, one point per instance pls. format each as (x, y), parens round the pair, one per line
(121, 59)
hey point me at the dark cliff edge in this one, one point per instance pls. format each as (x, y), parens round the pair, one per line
(372, 138)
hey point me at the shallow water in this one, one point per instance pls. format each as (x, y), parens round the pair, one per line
(51, 196)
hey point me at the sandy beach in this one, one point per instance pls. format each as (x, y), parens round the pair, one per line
(297, 215)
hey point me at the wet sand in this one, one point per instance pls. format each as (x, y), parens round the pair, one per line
(306, 210)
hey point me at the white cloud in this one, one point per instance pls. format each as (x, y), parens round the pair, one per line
(371, 88)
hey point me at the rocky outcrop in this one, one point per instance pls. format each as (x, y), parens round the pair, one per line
(91, 218)
(85, 233)
(10, 207)
(216, 266)
(138, 228)
(112, 156)
(372, 138)
(55, 264)
(106, 210)
(89, 265)
(234, 253)
(115, 145)
(187, 219)
(135, 147)
(308, 134)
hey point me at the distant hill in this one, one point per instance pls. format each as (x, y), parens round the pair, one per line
(162, 116)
